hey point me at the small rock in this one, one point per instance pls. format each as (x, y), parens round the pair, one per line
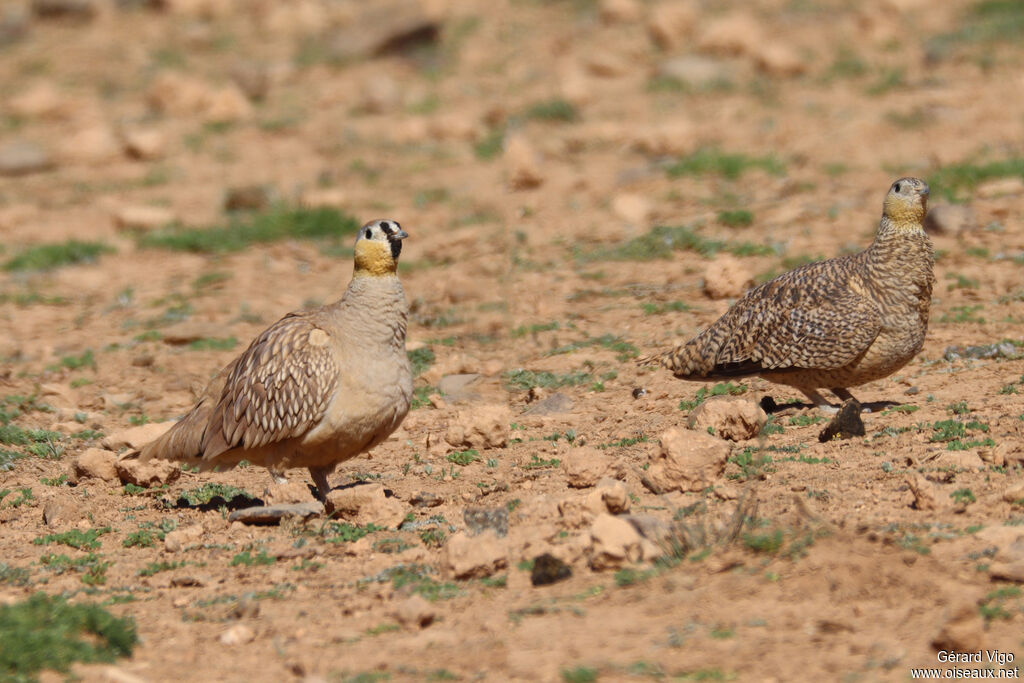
(325, 197)
(696, 72)
(380, 93)
(96, 463)
(1000, 188)
(949, 219)
(481, 519)
(522, 164)
(687, 461)
(480, 427)
(632, 208)
(737, 33)
(41, 100)
(1007, 571)
(414, 612)
(585, 466)
(366, 504)
(964, 630)
(239, 634)
(273, 514)
(548, 569)
(727, 277)
(606, 65)
(144, 144)
(253, 78)
(14, 25)
(189, 581)
(389, 27)
(639, 392)
(677, 137)
(475, 557)
(76, 10)
(1014, 494)
(610, 495)
(227, 105)
(148, 474)
(21, 157)
(291, 492)
(426, 499)
(620, 11)
(614, 543)
(92, 145)
(728, 417)
(554, 404)
(968, 460)
(177, 94)
(143, 217)
(179, 539)
(58, 512)
(670, 23)
(779, 59)
(135, 437)
(845, 424)
(926, 497)
(456, 387)
(250, 197)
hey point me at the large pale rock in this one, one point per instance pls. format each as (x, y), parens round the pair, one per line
(287, 493)
(686, 460)
(148, 474)
(142, 217)
(585, 466)
(481, 427)
(634, 209)
(135, 437)
(414, 612)
(963, 631)
(614, 542)
(610, 495)
(95, 463)
(1014, 494)
(179, 539)
(474, 557)
(727, 277)
(729, 417)
(144, 143)
(366, 504)
(926, 495)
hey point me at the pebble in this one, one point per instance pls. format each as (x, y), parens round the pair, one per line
(21, 157)
(614, 543)
(366, 504)
(728, 417)
(949, 219)
(585, 466)
(148, 474)
(95, 463)
(727, 277)
(239, 634)
(144, 144)
(273, 514)
(554, 404)
(475, 557)
(845, 424)
(480, 427)
(686, 460)
(696, 71)
(548, 569)
(134, 437)
(143, 217)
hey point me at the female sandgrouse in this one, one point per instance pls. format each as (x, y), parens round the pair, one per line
(832, 324)
(315, 388)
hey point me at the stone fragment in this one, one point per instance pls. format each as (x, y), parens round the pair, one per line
(480, 427)
(94, 144)
(144, 144)
(634, 209)
(385, 27)
(475, 557)
(949, 219)
(74, 10)
(614, 543)
(522, 164)
(696, 72)
(250, 197)
(41, 100)
(548, 569)
(414, 612)
(670, 23)
(135, 437)
(227, 105)
(845, 424)
(727, 277)
(620, 11)
(728, 417)
(95, 463)
(426, 499)
(252, 78)
(1007, 571)
(926, 496)
(963, 631)
(553, 404)
(239, 634)
(148, 474)
(288, 493)
(779, 59)
(481, 519)
(687, 461)
(366, 504)
(179, 539)
(57, 512)
(610, 495)
(457, 387)
(21, 157)
(273, 514)
(143, 217)
(585, 466)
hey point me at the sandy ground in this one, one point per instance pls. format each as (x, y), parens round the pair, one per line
(522, 145)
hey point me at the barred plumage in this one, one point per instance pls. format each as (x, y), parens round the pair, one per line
(316, 387)
(832, 324)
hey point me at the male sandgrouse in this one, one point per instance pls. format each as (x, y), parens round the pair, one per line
(832, 324)
(315, 388)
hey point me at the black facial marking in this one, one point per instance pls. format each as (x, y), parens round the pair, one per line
(396, 247)
(387, 228)
(897, 188)
(367, 234)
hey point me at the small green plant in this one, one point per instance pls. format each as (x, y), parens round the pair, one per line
(162, 566)
(207, 492)
(76, 538)
(963, 496)
(737, 218)
(247, 559)
(661, 241)
(421, 359)
(421, 396)
(710, 161)
(45, 632)
(213, 344)
(958, 408)
(720, 389)
(751, 464)
(50, 256)
(553, 110)
(242, 231)
(343, 532)
(670, 307)
(536, 462)
(463, 458)
(528, 379)
(579, 674)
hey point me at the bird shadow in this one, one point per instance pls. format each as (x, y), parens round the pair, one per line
(238, 501)
(769, 406)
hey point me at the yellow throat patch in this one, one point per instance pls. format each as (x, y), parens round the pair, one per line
(374, 258)
(906, 215)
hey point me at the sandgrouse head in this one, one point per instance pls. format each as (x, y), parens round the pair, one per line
(907, 201)
(378, 245)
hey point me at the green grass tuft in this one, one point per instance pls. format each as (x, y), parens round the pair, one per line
(955, 181)
(49, 256)
(711, 161)
(663, 240)
(276, 224)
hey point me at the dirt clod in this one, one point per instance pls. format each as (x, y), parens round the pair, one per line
(845, 424)
(548, 569)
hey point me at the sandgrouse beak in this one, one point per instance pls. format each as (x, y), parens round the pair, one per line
(402, 234)
(923, 190)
